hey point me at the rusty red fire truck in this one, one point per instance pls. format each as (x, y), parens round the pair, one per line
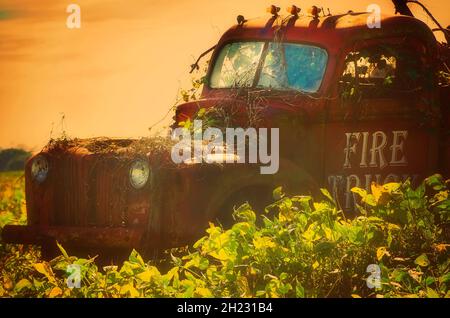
(353, 104)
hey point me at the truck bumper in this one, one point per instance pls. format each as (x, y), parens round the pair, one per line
(97, 237)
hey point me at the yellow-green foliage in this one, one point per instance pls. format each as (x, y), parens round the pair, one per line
(12, 198)
(308, 249)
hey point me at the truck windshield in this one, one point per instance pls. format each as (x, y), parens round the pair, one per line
(283, 66)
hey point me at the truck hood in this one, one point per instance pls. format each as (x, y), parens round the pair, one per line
(245, 111)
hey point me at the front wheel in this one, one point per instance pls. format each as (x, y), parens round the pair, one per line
(258, 197)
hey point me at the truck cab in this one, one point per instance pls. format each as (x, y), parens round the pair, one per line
(353, 105)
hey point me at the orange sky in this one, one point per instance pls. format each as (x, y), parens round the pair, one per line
(119, 73)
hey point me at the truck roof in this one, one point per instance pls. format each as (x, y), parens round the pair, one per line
(332, 32)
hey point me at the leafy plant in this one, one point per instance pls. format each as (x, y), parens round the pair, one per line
(307, 249)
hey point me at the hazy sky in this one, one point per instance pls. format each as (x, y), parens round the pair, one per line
(119, 73)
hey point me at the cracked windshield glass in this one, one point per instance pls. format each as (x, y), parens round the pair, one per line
(285, 66)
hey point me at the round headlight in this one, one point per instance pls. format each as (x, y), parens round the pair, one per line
(139, 173)
(39, 168)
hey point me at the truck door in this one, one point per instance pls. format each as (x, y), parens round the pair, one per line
(383, 126)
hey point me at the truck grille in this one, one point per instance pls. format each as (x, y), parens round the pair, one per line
(88, 190)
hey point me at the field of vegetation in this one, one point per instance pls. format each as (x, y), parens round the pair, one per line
(398, 246)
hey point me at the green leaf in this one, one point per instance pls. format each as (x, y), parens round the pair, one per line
(201, 112)
(324, 248)
(315, 265)
(203, 292)
(422, 260)
(245, 213)
(23, 284)
(45, 269)
(391, 187)
(189, 287)
(260, 293)
(278, 193)
(172, 273)
(129, 290)
(312, 234)
(361, 192)
(63, 251)
(356, 235)
(198, 243)
(381, 251)
(129, 269)
(399, 275)
(365, 197)
(148, 274)
(444, 278)
(435, 181)
(429, 280)
(431, 293)
(327, 195)
(135, 257)
(222, 255)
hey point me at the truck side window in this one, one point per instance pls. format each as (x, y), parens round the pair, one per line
(380, 72)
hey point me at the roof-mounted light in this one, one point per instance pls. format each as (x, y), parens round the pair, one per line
(293, 10)
(314, 12)
(273, 10)
(240, 20)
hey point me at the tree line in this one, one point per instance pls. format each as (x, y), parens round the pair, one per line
(13, 159)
